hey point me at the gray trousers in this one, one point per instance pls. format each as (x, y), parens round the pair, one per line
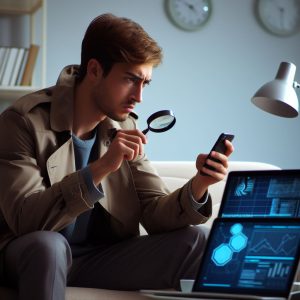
(40, 264)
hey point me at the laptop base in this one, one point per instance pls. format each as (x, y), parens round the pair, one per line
(176, 295)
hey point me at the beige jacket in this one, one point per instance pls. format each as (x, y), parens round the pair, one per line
(41, 190)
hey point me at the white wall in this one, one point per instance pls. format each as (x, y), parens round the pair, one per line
(207, 77)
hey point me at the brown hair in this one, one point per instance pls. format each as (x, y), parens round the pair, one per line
(111, 39)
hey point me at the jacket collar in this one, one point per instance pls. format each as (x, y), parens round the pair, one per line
(61, 115)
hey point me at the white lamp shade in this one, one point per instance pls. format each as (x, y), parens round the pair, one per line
(279, 97)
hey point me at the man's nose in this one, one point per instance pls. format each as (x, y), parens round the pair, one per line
(137, 94)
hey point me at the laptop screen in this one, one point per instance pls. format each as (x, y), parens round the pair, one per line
(256, 256)
(272, 193)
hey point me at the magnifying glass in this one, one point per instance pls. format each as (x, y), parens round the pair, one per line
(160, 121)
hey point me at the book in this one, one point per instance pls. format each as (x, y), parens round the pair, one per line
(16, 68)
(3, 60)
(12, 55)
(30, 64)
(22, 66)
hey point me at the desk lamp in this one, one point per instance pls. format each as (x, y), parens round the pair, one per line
(278, 96)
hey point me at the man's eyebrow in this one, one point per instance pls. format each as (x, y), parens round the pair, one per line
(146, 81)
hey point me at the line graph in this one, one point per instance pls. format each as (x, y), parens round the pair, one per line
(282, 245)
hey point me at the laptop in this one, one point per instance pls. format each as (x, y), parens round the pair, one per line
(265, 193)
(245, 258)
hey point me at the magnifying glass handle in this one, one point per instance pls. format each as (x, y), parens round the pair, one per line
(145, 130)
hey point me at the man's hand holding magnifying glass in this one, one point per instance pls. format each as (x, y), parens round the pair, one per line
(128, 144)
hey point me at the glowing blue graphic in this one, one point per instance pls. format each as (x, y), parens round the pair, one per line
(244, 188)
(238, 242)
(222, 255)
(224, 252)
(236, 229)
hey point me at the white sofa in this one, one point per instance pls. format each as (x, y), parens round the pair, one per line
(175, 174)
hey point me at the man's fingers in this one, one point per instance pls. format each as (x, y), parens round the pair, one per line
(133, 148)
(129, 149)
(229, 148)
(133, 135)
(217, 166)
(133, 141)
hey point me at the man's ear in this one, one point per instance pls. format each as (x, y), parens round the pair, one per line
(94, 69)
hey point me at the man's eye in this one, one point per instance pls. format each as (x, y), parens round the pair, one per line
(136, 81)
(131, 80)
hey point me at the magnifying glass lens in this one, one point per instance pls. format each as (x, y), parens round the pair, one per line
(161, 122)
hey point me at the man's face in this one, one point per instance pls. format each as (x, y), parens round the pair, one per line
(117, 94)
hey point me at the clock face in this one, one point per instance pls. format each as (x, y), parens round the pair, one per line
(188, 15)
(280, 17)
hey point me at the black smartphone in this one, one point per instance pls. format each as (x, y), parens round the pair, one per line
(220, 147)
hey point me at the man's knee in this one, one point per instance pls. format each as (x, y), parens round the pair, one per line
(44, 248)
(48, 241)
(50, 247)
(188, 243)
(194, 236)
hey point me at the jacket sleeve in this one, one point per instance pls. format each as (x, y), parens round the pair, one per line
(27, 201)
(160, 209)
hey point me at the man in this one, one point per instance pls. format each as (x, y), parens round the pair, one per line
(75, 182)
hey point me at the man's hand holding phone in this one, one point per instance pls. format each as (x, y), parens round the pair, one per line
(212, 167)
(220, 146)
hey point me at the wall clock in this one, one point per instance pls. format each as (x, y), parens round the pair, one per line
(189, 15)
(279, 17)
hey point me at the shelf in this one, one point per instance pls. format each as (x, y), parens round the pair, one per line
(19, 6)
(36, 11)
(12, 93)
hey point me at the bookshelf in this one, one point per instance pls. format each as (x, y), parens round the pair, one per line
(35, 11)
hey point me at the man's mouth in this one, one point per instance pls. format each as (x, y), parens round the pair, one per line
(128, 108)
